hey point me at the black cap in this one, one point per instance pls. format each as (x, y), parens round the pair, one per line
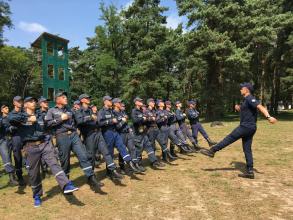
(42, 99)
(61, 93)
(29, 98)
(109, 98)
(116, 100)
(248, 85)
(84, 96)
(76, 102)
(191, 102)
(17, 98)
(159, 101)
(168, 102)
(137, 99)
(150, 100)
(177, 102)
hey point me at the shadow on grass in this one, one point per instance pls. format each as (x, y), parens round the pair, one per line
(240, 166)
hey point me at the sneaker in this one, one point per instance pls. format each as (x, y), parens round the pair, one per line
(69, 188)
(37, 201)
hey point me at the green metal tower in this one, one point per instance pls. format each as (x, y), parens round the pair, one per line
(53, 57)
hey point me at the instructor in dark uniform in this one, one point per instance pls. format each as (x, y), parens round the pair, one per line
(246, 129)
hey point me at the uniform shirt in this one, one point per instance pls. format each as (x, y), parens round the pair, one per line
(180, 117)
(41, 115)
(162, 118)
(248, 112)
(105, 119)
(150, 113)
(29, 131)
(121, 126)
(137, 119)
(192, 115)
(54, 122)
(171, 117)
(14, 117)
(4, 127)
(84, 121)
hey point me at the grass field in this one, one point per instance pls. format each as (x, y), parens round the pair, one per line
(194, 187)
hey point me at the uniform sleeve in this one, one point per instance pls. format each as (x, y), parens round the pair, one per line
(160, 117)
(102, 120)
(81, 118)
(179, 115)
(252, 101)
(137, 119)
(17, 118)
(51, 121)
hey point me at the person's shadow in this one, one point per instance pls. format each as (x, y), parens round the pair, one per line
(236, 165)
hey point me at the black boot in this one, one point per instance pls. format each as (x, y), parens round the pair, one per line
(94, 182)
(249, 174)
(210, 142)
(164, 157)
(188, 148)
(114, 175)
(172, 151)
(12, 180)
(171, 158)
(183, 149)
(140, 167)
(132, 167)
(157, 164)
(208, 152)
(196, 147)
(21, 181)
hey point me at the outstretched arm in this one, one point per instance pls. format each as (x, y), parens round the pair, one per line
(265, 112)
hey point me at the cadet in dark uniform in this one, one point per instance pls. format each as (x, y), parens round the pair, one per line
(126, 133)
(16, 140)
(154, 132)
(246, 129)
(87, 123)
(141, 139)
(162, 122)
(175, 134)
(193, 117)
(41, 113)
(108, 122)
(181, 116)
(37, 145)
(60, 120)
(4, 145)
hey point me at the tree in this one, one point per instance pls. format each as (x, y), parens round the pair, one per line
(5, 20)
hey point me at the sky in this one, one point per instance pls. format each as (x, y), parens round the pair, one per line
(74, 20)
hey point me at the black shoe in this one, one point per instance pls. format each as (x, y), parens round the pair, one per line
(196, 148)
(183, 149)
(211, 143)
(114, 175)
(247, 174)
(188, 148)
(94, 182)
(122, 171)
(140, 167)
(164, 157)
(170, 156)
(156, 165)
(12, 180)
(207, 152)
(172, 152)
(132, 167)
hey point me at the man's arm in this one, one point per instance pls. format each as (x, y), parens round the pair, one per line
(265, 112)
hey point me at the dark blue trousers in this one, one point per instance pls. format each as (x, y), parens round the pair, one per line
(113, 139)
(71, 142)
(198, 128)
(16, 148)
(6, 159)
(247, 136)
